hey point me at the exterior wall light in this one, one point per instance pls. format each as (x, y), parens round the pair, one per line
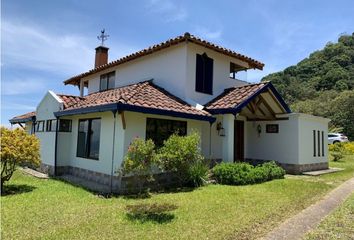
(259, 130)
(220, 129)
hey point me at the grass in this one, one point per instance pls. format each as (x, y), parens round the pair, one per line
(51, 209)
(338, 225)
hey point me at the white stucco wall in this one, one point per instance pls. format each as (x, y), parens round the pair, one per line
(45, 109)
(282, 147)
(67, 144)
(292, 145)
(167, 67)
(308, 123)
(174, 69)
(221, 73)
(136, 127)
(28, 127)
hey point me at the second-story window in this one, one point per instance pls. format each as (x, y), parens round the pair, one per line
(107, 81)
(234, 69)
(204, 74)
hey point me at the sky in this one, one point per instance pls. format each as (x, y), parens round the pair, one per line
(44, 42)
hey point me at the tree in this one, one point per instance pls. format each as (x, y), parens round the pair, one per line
(17, 147)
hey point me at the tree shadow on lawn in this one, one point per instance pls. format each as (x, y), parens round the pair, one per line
(151, 212)
(12, 189)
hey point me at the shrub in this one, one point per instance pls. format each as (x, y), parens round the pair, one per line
(198, 174)
(139, 160)
(17, 147)
(244, 173)
(179, 153)
(349, 147)
(337, 151)
(273, 170)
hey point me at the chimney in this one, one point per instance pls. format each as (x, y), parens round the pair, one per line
(101, 56)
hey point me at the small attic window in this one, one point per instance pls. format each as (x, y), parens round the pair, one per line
(234, 68)
(107, 81)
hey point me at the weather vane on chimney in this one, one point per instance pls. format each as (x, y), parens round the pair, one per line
(103, 37)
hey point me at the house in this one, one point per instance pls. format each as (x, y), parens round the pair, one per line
(185, 84)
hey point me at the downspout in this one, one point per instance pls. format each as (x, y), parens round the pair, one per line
(113, 147)
(56, 146)
(210, 125)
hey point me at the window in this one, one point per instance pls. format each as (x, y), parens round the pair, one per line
(160, 130)
(88, 140)
(314, 142)
(234, 68)
(39, 126)
(204, 74)
(64, 125)
(318, 144)
(322, 144)
(51, 125)
(107, 81)
(272, 128)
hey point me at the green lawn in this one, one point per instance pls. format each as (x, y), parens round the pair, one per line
(51, 209)
(338, 225)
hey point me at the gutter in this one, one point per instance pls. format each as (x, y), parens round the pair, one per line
(56, 147)
(132, 108)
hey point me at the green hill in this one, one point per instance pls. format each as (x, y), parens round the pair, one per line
(322, 84)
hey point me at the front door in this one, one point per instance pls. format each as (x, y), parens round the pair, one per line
(239, 135)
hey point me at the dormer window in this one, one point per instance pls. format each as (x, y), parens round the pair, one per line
(234, 69)
(107, 81)
(204, 74)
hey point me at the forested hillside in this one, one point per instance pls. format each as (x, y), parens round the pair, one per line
(322, 84)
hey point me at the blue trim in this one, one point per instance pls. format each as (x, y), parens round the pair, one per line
(99, 108)
(132, 108)
(238, 108)
(22, 120)
(279, 98)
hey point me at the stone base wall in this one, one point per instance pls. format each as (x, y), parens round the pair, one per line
(300, 168)
(45, 168)
(120, 184)
(293, 168)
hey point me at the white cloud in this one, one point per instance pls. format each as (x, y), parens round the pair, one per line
(37, 49)
(206, 33)
(31, 47)
(170, 11)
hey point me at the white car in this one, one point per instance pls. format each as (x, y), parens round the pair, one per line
(336, 138)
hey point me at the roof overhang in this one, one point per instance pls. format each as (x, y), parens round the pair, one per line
(171, 42)
(126, 107)
(238, 108)
(22, 120)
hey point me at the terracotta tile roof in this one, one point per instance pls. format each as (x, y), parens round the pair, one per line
(27, 117)
(143, 95)
(173, 41)
(233, 97)
(69, 100)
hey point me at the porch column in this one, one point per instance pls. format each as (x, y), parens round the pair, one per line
(228, 140)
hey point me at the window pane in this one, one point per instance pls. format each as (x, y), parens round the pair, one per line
(53, 125)
(160, 130)
(95, 138)
(64, 125)
(103, 83)
(111, 79)
(82, 138)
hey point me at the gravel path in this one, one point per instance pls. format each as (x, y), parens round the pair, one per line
(297, 226)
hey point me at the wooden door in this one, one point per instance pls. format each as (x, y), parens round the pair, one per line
(239, 136)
